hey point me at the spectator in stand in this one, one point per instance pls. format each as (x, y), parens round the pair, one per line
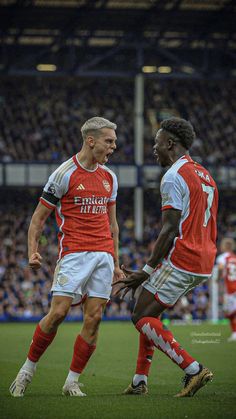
(17, 299)
(41, 117)
(210, 106)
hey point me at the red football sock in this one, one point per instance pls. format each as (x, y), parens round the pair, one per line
(163, 339)
(81, 355)
(145, 354)
(39, 344)
(233, 323)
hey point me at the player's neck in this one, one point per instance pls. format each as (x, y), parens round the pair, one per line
(178, 154)
(87, 161)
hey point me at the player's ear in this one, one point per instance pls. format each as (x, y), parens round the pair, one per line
(170, 143)
(90, 141)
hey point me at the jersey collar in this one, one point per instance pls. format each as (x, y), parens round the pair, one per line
(77, 162)
(187, 157)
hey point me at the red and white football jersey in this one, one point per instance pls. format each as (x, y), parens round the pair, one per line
(188, 187)
(81, 198)
(227, 260)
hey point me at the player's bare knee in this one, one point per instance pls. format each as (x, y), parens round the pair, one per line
(58, 315)
(92, 321)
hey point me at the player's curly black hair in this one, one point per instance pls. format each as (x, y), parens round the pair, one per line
(181, 129)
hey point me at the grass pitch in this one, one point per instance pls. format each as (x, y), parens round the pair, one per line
(109, 372)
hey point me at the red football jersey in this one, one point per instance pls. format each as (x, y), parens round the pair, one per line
(81, 198)
(230, 273)
(188, 187)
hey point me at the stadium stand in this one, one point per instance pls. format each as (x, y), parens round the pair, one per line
(81, 60)
(209, 105)
(41, 118)
(25, 294)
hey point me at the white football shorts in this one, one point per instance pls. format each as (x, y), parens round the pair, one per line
(230, 304)
(84, 274)
(169, 284)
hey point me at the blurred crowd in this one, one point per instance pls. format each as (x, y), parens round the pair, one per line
(41, 118)
(209, 105)
(26, 294)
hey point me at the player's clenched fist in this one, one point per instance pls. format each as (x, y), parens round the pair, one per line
(35, 261)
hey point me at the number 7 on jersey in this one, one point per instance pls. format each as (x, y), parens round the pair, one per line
(209, 190)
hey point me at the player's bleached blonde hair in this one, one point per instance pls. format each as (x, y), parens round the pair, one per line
(92, 125)
(227, 244)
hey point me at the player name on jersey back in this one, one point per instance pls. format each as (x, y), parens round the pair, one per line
(188, 187)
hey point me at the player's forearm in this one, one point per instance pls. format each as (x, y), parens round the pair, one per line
(162, 245)
(220, 273)
(115, 236)
(34, 234)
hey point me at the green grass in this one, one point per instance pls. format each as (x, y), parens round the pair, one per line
(110, 371)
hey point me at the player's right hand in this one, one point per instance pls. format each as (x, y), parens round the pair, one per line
(131, 281)
(35, 261)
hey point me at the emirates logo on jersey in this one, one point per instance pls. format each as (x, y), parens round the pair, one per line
(106, 185)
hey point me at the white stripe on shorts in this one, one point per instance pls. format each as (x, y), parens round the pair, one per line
(161, 279)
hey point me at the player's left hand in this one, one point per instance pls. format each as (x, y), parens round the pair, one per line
(132, 281)
(118, 274)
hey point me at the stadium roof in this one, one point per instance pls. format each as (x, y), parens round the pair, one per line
(119, 37)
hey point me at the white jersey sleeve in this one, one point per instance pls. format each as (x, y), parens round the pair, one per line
(221, 259)
(173, 189)
(57, 184)
(114, 188)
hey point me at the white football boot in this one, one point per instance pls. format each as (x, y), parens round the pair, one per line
(18, 387)
(71, 388)
(232, 338)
